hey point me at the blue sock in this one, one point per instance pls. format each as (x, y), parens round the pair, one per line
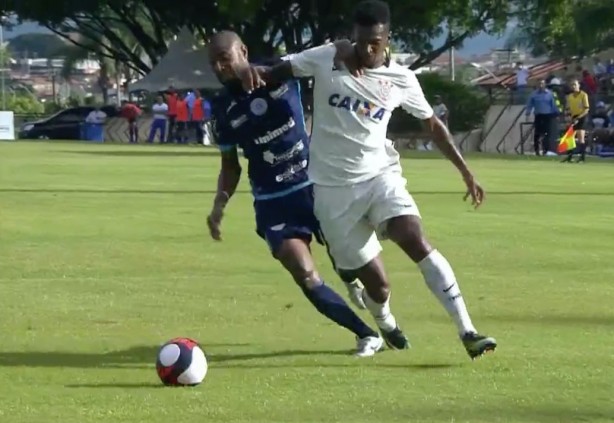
(330, 304)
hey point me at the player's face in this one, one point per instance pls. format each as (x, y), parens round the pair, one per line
(225, 58)
(371, 44)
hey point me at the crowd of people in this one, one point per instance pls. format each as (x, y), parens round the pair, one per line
(578, 102)
(177, 117)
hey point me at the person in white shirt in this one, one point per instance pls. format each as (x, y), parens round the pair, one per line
(95, 125)
(96, 116)
(359, 188)
(160, 116)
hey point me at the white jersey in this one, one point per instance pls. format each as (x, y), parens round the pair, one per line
(159, 111)
(351, 115)
(96, 116)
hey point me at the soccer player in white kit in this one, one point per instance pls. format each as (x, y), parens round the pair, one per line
(359, 189)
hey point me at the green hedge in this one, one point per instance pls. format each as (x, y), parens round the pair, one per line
(467, 107)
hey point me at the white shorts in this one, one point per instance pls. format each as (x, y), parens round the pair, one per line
(352, 217)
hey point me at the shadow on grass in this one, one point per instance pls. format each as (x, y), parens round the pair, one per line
(145, 356)
(147, 153)
(113, 191)
(199, 192)
(118, 385)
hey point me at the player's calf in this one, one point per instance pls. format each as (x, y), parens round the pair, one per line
(376, 297)
(406, 231)
(295, 256)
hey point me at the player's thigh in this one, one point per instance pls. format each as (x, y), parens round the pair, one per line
(350, 238)
(390, 199)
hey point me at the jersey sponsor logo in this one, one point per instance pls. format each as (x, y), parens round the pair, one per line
(273, 159)
(232, 104)
(357, 105)
(291, 172)
(258, 106)
(271, 135)
(279, 92)
(238, 121)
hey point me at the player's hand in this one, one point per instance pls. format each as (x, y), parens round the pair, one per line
(251, 77)
(345, 57)
(214, 220)
(474, 190)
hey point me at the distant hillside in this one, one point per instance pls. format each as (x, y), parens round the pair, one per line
(479, 45)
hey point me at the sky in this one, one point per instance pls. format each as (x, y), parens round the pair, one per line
(479, 45)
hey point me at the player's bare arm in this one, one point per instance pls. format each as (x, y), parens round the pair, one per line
(445, 142)
(253, 77)
(228, 180)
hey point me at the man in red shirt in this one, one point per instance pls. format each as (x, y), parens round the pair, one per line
(182, 119)
(171, 100)
(131, 112)
(198, 116)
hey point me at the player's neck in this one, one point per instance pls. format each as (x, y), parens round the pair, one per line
(234, 87)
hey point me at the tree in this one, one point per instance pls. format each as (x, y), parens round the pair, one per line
(571, 28)
(265, 25)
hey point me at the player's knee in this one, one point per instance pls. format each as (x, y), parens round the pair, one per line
(347, 276)
(307, 278)
(407, 233)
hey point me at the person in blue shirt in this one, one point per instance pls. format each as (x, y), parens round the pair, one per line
(543, 104)
(268, 125)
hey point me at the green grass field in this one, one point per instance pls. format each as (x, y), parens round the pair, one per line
(104, 255)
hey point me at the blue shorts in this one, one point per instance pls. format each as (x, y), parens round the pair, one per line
(287, 217)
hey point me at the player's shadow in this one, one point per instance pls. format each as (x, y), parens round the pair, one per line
(145, 356)
(136, 357)
(119, 191)
(147, 153)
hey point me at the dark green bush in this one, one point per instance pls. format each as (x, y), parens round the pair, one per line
(467, 107)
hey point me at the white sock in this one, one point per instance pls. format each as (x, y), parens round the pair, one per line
(440, 279)
(380, 312)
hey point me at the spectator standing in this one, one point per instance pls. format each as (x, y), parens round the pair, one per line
(131, 112)
(440, 109)
(522, 81)
(182, 119)
(600, 118)
(578, 107)
(198, 115)
(599, 69)
(171, 100)
(94, 125)
(160, 115)
(543, 104)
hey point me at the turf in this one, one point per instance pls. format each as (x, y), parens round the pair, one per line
(104, 255)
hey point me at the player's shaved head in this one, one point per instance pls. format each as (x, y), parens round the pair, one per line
(225, 38)
(226, 53)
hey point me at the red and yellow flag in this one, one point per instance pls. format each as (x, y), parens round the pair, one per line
(567, 141)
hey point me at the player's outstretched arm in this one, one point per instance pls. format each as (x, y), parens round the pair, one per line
(228, 180)
(445, 142)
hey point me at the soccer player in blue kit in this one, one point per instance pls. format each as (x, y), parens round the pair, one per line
(268, 124)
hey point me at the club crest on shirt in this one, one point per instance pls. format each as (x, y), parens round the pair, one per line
(385, 87)
(258, 106)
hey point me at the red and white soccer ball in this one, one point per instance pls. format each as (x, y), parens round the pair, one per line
(181, 362)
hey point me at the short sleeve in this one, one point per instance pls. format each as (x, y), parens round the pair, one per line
(585, 102)
(413, 100)
(306, 63)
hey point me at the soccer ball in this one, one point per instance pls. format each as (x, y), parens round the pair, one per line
(181, 362)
